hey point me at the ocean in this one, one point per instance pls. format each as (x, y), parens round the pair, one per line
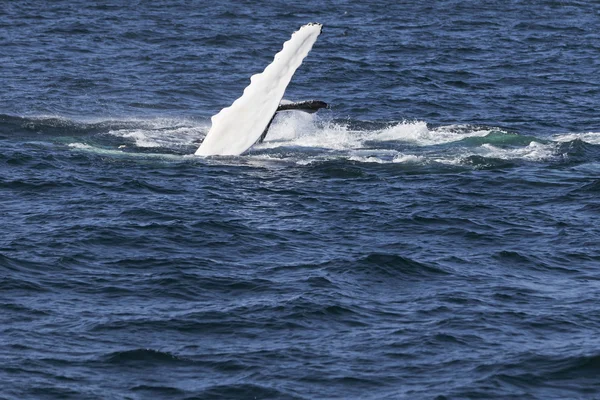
(434, 234)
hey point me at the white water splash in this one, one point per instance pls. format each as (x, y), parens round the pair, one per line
(304, 130)
(588, 137)
(162, 132)
(533, 152)
(301, 138)
(296, 130)
(408, 159)
(80, 146)
(419, 134)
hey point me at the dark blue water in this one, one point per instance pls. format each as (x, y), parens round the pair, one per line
(435, 234)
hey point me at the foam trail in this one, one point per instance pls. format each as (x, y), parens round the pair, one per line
(303, 130)
(84, 147)
(160, 136)
(533, 152)
(418, 133)
(589, 137)
(236, 128)
(301, 138)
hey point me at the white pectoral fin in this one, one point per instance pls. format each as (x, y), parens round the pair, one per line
(236, 128)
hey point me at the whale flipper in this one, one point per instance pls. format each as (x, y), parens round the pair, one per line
(237, 127)
(309, 106)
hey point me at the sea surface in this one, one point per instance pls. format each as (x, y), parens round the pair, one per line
(435, 234)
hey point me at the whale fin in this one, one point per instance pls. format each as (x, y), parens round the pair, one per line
(309, 106)
(237, 127)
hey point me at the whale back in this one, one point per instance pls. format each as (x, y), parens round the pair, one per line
(237, 127)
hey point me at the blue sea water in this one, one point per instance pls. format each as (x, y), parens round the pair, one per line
(433, 235)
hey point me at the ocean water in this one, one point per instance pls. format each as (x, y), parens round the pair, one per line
(433, 235)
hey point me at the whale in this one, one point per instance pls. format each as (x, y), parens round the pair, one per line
(246, 121)
(308, 106)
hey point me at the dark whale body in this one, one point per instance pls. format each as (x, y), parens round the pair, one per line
(309, 106)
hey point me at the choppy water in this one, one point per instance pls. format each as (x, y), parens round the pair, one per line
(433, 235)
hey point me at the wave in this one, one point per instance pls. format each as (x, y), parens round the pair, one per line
(50, 125)
(534, 371)
(405, 142)
(304, 139)
(244, 390)
(138, 133)
(587, 137)
(385, 266)
(145, 356)
(219, 391)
